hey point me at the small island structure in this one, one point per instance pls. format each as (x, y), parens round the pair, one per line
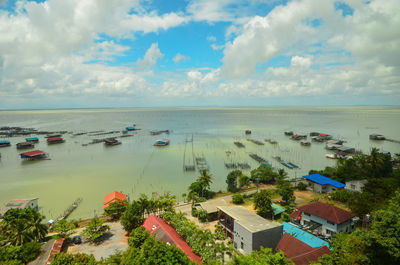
(33, 155)
(55, 140)
(162, 142)
(114, 197)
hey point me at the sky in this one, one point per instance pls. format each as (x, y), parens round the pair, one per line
(177, 53)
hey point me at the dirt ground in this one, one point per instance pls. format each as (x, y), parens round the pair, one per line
(116, 241)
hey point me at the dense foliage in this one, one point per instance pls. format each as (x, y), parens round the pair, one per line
(201, 187)
(262, 203)
(264, 256)
(64, 228)
(203, 242)
(263, 174)
(19, 254)
(238, 198)
(73, 259)
(21, 226)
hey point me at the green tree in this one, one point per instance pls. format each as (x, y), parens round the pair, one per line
(262, 203)
(138, 236)
(206, 179)
(287, 192)
(263, 174)
(73, 259)
(95, 229)
(116, 209)
(262, 257)
(132, 217)
(19, 254)
(64, 228)
(232, 179)
(243, 181)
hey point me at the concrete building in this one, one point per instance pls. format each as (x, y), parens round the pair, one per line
(210, 207)
(324, 219)
(323, 184)
(355, 185)
(248, 230)
(20, 204)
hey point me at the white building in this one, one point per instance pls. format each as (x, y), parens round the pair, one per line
(20, 204)
(324, 219)
(323, 184)
(355, 185)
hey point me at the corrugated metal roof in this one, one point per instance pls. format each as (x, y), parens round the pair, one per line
(33, 153)
(317, 178)
(304, 236)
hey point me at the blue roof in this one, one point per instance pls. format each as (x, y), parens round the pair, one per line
(31, 138)
(317, 178)
(130, 128)
(303, 236)
(4, 142)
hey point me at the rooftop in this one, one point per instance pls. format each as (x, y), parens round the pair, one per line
(303, 236)
(32, 153)
(246, 218)
(322, 180)
(165, 233)
(277, 208)
(210, 206)
(326, 211)
(113, 196)
(17, 203)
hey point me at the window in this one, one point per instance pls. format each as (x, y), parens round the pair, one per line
(329, 232)
(329, 222)
(241, 245)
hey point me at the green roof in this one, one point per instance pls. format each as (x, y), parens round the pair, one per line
(277, 208)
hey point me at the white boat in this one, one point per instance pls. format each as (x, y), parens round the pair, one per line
(330, 156)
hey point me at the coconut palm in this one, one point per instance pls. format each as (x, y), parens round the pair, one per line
(206, 179)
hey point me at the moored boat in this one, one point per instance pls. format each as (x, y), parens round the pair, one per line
(25, 145)
(33, 155)
(4, 143)
(32, 139)
(305, 143)
(55, 140)
(162, 142)
(130, 128)
(330, 156)
(111, 141)
(54, 135)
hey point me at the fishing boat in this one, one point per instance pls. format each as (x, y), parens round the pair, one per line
(289, 133)
(293, 165)
(130, 128)
(55, 140)
(25, 145)
(111, 141)
(32, 139)
(330, 156)
(33, 155)
(162, 142)
(4, 143)
(54, 135)
(247, 132)
(305, 143)
(286, 165)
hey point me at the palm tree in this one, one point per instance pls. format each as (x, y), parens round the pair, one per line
(36, 227)
(206, 179)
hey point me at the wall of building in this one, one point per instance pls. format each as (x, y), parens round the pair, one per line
(242, 237)
(267, 238)
(33, 204)
(346, 227)
(325, 225)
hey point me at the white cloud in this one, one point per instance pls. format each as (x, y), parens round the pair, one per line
(211, 38)
(179, 57)
(216, 47)
(150, 58)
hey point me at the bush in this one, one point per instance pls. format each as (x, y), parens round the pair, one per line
(341, 195)
(238, 198)
(202, 215)
(301, 186)
(24, 253)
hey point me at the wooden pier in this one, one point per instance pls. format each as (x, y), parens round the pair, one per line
(69, 210)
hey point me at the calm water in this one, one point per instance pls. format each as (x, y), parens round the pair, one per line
(137, 166)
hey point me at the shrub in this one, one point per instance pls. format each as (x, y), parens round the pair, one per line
(301, 186)
(341, 195)
(237, 198)
(202, 215)
(24, 253)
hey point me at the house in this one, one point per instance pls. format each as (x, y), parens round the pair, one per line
(113, 197)
(248, 230)
(324, 219)
(165, 233)
(299, 252)
(210, 207)
(277, 211)
(323, 184)
(20, 204)
(355, 185)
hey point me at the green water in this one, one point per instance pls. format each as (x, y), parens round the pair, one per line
(136, 166)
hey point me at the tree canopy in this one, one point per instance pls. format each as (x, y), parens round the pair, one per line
(262, 203)
(264, 256)
(232, 180)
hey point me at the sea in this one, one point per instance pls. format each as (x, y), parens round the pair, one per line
(77, 169)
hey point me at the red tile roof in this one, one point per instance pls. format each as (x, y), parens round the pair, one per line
(299, 252)
(327, 212)
(112, 197)
(296, 214)
(164, 232)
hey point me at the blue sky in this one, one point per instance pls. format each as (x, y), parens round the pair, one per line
(144, 53)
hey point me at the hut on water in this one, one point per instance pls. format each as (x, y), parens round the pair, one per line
(55, 140)
(4, 143)
(25, 145)
(162, 142)
(33, 155)
(32, 139)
